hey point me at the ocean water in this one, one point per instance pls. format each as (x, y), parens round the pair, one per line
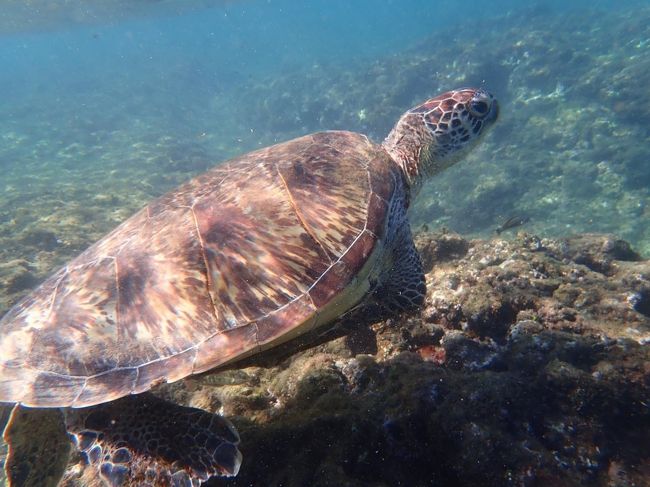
(106, 105)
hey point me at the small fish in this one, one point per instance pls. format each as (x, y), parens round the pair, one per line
(512, 222)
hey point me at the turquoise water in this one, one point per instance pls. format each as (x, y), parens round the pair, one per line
(106, 105)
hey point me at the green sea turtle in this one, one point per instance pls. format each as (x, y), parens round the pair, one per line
(255, 252)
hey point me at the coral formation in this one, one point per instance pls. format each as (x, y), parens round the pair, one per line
(527, 366)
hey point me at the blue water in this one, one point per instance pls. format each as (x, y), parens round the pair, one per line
(223, 46)
(249, 37)
(236, 40)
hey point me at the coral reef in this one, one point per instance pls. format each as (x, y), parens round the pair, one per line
(527, 366)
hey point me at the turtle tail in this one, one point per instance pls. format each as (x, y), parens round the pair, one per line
(144, 440)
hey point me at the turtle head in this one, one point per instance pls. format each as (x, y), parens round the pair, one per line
(440, 132)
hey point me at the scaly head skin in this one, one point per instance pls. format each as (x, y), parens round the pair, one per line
(440, 132)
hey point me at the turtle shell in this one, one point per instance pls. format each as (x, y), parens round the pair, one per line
(252, 253)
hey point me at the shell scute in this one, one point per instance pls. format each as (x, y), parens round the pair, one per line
(282, 321)
(377, 209)
(382, 182)
(332, 283)
(256, 256)
(169, 369)
(110, 385)
(218, 348)
(49, 389)
(357, 255)
(337, 215)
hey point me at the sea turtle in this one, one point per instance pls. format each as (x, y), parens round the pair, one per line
(253, 253)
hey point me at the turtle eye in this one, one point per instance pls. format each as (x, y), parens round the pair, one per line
(478, 108)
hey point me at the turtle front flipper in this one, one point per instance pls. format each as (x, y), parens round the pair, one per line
(144, 440)
(404, 288)
(402, 285)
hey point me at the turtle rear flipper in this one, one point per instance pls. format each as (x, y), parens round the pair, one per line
(144, 440)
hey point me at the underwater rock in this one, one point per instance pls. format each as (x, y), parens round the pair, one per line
(439, 248)
(17, 276)
(525, 367)
(596, 251)
(640, 301)
(462, 351)
(41, 239)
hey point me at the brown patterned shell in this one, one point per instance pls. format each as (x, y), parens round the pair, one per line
(249, 254)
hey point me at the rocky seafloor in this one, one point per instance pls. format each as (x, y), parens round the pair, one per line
(529, 365)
